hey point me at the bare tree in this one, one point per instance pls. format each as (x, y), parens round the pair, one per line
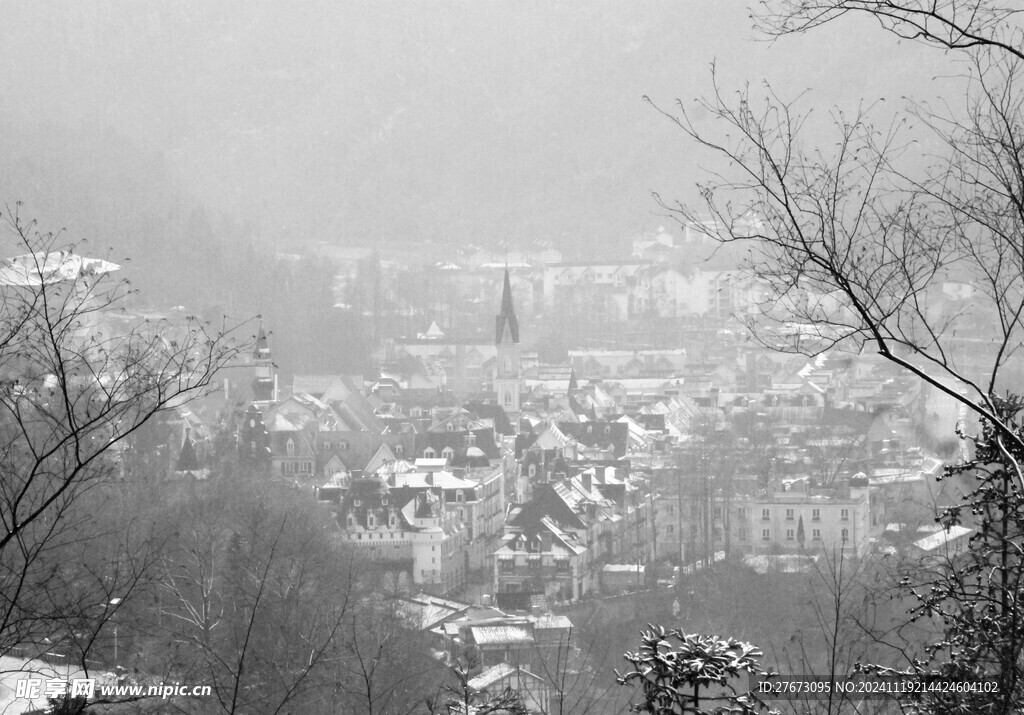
(252, 594)
(460, 697)
(78, 377)
(852, 243)
(381, 662)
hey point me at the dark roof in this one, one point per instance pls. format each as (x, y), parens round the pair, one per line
(187, 460)
(495, 413)
(483, 440)
(507, 316)
(599, 433)
(546, 502)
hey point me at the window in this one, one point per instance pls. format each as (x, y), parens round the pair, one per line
(429, 453)
(816, 534)
(534, 562)
(532, 470)
(343, 445)
(470, 440)
(562, 565)
(790, 535)
(448, 453)
(844, 514)
(789, 515)
(815, 514)
(766, 534)
(766, 515)
(370, 521)
(327, 444)
(743, 533)
(671, 529)
(289, 447)
(399, 450)
(742, 512)
(459, 496)
(506, 565)
(718, 512)
(845, 536)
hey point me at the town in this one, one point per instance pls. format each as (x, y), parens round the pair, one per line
(493, 492)
(511, 358)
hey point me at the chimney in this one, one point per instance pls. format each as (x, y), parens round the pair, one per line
(588, 480)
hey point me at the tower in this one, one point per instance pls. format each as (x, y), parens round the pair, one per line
(508, 379)
(264, 382)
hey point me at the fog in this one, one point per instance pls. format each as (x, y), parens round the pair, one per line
(402, 271)
(354, 122)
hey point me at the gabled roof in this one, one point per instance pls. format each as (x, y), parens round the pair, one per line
(383, 455)
(600, 433)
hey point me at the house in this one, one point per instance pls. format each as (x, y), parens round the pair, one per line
(537, 693)
(802, 519)
(408, 529)
(475, 497)
(556, 541)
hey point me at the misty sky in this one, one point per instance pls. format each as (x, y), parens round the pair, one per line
(359, 121)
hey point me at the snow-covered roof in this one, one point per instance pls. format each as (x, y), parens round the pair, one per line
(942, 538)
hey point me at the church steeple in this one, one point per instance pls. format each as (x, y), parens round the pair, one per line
(507, 317)
(508, 379)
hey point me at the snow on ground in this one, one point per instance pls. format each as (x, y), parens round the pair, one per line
(13, 670)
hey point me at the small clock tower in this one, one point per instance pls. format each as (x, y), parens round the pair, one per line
(264, 383)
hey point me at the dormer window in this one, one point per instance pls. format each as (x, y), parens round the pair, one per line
(532, 470)
(470, 440)
(290, 446)
(447, 452)
(459, 496)
(429, 453)
(327, 444)
(399, 450)
(342, 445)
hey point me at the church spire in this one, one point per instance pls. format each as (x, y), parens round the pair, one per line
(507, 316)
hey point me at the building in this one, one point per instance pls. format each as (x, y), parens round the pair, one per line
(508, 379)
(406, 529)
(802, 519)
